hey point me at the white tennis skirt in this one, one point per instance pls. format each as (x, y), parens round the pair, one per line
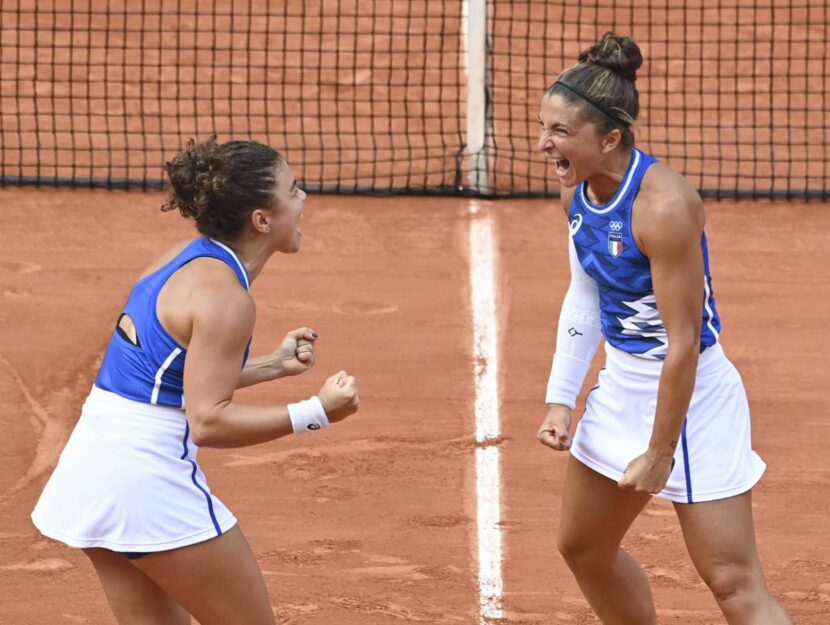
(127, 480)
(714, 457)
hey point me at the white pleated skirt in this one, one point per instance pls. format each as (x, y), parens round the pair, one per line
(714, 457)
(128, 481)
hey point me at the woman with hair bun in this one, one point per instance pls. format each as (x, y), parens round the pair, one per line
(127, 489)
(669, 415)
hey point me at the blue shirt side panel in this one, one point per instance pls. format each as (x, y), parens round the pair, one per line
(710, 331)
(154, 372)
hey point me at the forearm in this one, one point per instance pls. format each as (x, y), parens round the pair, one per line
(260, 369)
(230, 424)
(677, 383)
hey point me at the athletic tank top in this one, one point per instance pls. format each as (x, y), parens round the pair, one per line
(153, 370)
(607, 251)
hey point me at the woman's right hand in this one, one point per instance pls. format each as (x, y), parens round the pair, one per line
(339, 396)
(555, 429)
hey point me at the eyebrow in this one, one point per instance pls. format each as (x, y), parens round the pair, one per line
(555, 125)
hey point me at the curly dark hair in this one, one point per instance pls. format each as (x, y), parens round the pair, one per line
(219, 185)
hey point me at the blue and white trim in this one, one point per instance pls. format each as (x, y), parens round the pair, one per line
(154, 398)
(196, 482)
(686, 463)
(236, 259)
(621, 191)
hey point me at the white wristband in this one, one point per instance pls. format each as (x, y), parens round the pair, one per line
(308, 416)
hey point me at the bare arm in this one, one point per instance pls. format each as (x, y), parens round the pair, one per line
(257, 370)
(222, 321)
(294, 356)
(669, 232)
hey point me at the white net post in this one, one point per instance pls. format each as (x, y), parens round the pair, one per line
(474, 17)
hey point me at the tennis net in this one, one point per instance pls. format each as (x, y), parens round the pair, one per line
(406, 96)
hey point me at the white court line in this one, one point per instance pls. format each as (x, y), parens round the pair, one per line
(488, 430)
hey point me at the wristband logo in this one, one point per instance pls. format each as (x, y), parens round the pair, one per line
(313, 426)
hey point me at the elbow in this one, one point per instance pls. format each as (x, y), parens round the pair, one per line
(200, 437)
(685, 344)
(201, 432)
(205, 430)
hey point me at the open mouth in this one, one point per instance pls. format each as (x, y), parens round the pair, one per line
(563, 166)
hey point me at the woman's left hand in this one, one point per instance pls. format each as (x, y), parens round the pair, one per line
(647, 473)
(296, 352)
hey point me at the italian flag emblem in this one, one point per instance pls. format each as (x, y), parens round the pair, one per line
(615, 246)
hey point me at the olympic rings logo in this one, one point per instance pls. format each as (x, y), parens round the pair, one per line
(616, 226)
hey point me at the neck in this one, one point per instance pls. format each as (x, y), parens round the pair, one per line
(602, 185)
(252, 253)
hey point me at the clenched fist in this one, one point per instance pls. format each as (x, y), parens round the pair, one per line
(555, 429)
(339, 396)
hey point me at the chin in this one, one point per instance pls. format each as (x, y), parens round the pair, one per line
(291, 247)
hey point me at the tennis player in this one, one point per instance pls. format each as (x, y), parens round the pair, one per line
(669, 415)
(127, 488)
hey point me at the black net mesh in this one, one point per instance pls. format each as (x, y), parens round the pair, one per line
(371, 97)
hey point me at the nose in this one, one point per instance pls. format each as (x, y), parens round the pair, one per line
(303, 195)
(545, 142)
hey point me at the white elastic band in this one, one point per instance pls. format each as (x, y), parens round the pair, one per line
(308, 416)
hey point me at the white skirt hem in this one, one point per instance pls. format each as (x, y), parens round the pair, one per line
(89, 543)
(678, 496)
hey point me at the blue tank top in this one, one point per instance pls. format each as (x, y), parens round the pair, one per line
(153, 370)
(608, 253)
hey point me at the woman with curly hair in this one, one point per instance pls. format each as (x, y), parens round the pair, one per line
(127, 488)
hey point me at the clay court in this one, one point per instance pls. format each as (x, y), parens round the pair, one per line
(374, 521)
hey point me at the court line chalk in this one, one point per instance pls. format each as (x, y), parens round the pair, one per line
(488, 429)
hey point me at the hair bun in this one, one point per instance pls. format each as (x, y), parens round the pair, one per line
(197, 173)
(621, 55)
(208, 164)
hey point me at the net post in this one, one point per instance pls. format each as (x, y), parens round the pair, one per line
(475, 28)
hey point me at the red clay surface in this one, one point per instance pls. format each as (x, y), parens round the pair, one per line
(373, 521)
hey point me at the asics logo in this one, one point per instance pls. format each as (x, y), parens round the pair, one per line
(575, 224)
(615, 226)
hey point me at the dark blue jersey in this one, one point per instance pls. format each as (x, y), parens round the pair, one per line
(152, 369)
(607, 251)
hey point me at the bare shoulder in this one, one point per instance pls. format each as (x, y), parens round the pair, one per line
(169, 254)
(668, 212)
(666, 197)
(216, 288)
(205, 295)
(224, 313)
